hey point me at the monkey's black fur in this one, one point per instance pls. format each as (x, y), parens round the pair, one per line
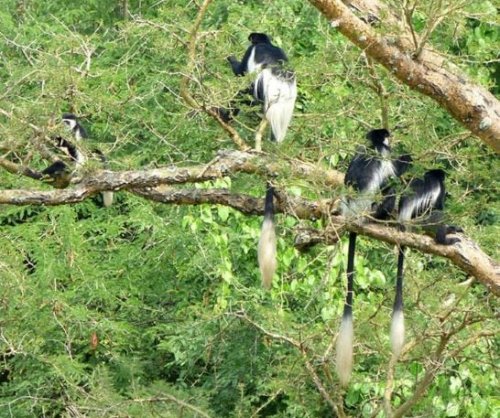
(425, 200)
(58, 174)
(274, 86)
(368, 173)
(264, 54)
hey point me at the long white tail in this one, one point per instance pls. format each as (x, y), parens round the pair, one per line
(397, 332)
(344, 350)
(277, 88)
(107, 199)
(267, 252)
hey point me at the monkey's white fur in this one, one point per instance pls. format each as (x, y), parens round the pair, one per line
(280, 92)
(107, 198)
(344, 353)
(397, 332)
(362, 203)
(416, 204)
(266, 252)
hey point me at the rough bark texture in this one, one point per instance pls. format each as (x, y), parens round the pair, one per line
(466, 255)
(470, 104)
(227, 162)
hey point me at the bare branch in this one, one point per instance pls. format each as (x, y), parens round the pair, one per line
(184, 85)
(305, 356)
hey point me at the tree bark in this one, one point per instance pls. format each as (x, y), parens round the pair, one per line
(157, 185)
(470, 104)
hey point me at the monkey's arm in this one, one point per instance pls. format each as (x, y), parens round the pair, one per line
(236, 66)
(240, 68)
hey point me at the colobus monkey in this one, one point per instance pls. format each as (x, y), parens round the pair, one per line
(72, 124)
(59, 171)
(424, 200)
(274, 86)
(368, 174)
(58, 168)
(58, 174)
(267, 242)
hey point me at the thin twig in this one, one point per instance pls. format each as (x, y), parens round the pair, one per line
(184, 84)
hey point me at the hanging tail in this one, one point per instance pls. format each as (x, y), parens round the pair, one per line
(277, 89)
(345, 339)
(267, 242)
(398, 319)
(107, 197)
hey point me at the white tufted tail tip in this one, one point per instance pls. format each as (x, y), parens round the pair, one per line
(397, 332)
(266, 253)
(107, 199)
(344, 355)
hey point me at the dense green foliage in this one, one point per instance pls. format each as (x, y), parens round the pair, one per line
(137, 309)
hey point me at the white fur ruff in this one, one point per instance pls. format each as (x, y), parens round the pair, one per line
(107, 198)
(80, 158)
(252, 66)
(362, 204)
(358, 206)
(279, 100)
(385, 171)
(397, 332)
(419, 204)
(344, 350)
(266, 252)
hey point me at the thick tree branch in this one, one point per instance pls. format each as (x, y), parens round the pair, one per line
(472, 105)
(14, 168)
(466, 255)
(227, 162)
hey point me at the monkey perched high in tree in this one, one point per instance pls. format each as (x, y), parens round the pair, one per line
(275, 86)
(59, 171)
(368, 174)
(424, 202)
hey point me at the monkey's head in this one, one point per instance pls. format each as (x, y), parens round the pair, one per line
(380, 140)
(259, 38)
(379, 137)
(69, 120)
(436, 174)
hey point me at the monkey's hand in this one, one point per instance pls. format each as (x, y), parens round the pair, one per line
(235, 65)
(453, 229)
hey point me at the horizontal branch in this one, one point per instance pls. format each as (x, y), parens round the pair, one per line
(227, 162)
(466, 255)
(470, 104)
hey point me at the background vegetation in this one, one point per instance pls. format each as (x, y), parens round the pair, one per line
(145, 309)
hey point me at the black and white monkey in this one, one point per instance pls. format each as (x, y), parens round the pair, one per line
(275, 86)
(266, 250)
(71, 123)
(424, 202)
(59, 171)
(368, 174)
